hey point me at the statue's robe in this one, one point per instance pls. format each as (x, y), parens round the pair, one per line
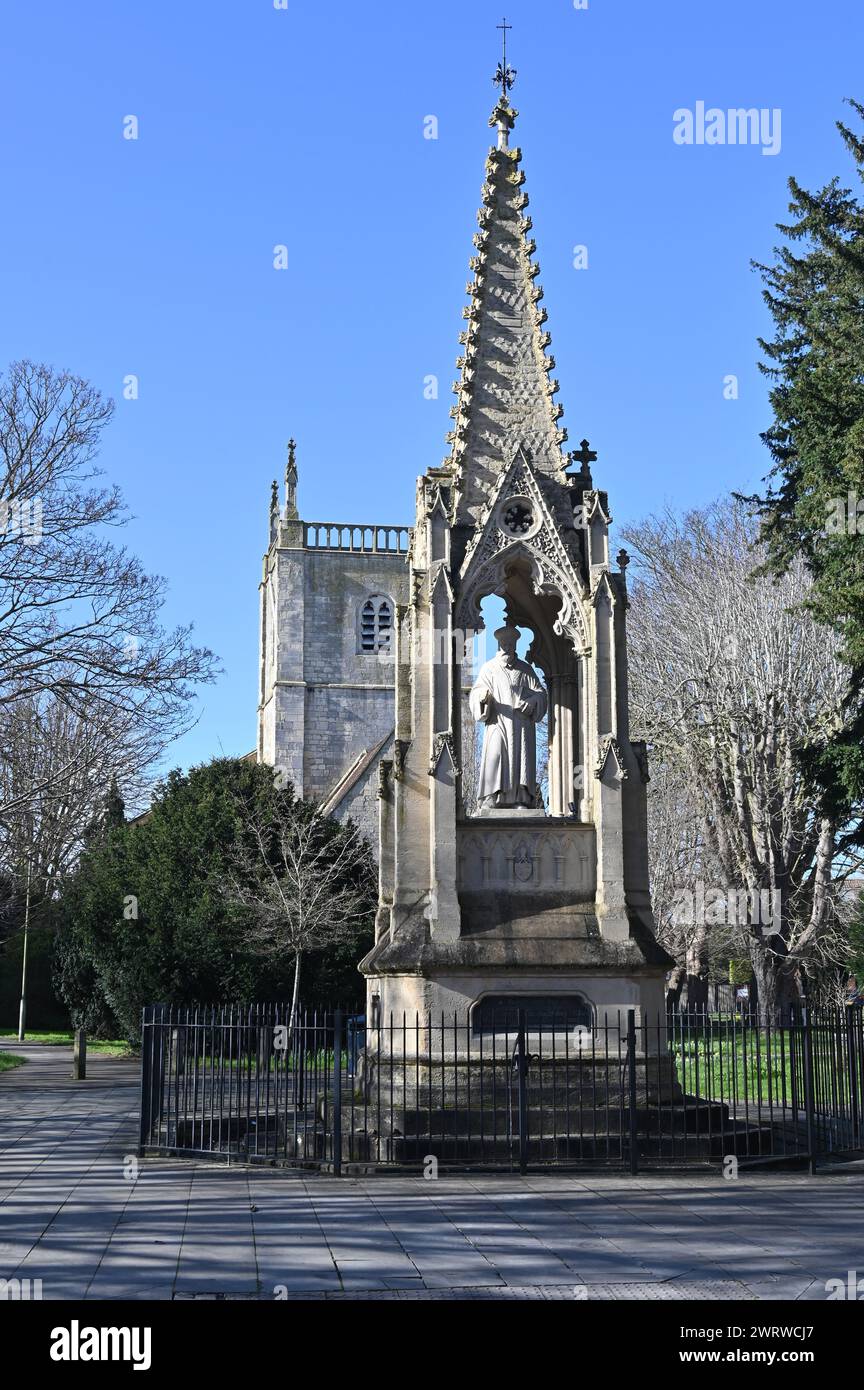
(516, 701)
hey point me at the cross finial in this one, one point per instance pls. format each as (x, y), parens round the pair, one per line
(505, 75)
(583, 455)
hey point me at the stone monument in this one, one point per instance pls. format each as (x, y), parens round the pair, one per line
(507, 898)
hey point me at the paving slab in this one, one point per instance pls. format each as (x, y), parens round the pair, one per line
(76, 1214)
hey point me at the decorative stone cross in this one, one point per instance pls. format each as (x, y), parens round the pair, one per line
(583, 454)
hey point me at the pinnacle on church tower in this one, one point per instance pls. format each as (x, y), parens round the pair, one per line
(274, 509)
(291, 512)
(505, 390)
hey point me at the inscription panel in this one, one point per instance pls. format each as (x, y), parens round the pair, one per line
(547, 857)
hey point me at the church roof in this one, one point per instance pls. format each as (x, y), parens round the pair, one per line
(505, 390)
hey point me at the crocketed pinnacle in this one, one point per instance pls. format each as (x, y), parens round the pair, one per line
(504, 391)
(291, 512)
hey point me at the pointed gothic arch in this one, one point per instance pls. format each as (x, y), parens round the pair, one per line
(548, 580)
(541, 597)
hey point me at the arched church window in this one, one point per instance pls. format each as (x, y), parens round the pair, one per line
(375, 625)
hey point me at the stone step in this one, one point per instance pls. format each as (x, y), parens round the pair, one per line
(574, 1081)
(694, 1117)
(741, 1142)
(475, 1137)
(563, 1100)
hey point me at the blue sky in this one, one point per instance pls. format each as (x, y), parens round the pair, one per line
(303, 126)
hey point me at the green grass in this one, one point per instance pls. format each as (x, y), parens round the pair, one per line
(736, 1069)
(107, 1047)
(8, 1060)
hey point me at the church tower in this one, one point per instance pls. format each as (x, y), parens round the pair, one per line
(329, 594)
(522, 903)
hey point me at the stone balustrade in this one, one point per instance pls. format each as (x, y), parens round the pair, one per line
(338, 535)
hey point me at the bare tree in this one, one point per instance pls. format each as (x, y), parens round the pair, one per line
(730, 678)
(79, 618)
(307, 881)
(56, 764)
(680, 859)
(92, 688)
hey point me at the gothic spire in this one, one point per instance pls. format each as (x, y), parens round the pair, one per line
(504, 390)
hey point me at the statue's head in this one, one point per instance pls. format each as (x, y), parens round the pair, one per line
(507, 637)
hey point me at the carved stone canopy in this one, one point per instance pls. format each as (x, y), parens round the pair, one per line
(538, 597)
(521, 537)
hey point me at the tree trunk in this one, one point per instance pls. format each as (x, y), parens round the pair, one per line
(295, 994)
(776, 984)
(697, 993)
(697, 972)
(674, 988)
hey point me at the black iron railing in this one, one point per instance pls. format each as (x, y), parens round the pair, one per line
(256, 1084)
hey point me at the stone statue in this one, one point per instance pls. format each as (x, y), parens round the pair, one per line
(508, 699)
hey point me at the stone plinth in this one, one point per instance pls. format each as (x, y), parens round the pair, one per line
(467, 1103)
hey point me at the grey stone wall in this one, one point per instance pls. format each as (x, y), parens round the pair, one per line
(324, 702)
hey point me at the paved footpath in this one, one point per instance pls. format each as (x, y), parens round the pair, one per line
(73, 1214)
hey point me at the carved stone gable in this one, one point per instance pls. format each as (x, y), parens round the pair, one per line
(518, 521)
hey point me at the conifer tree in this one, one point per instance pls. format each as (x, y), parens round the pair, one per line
(813, 505)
